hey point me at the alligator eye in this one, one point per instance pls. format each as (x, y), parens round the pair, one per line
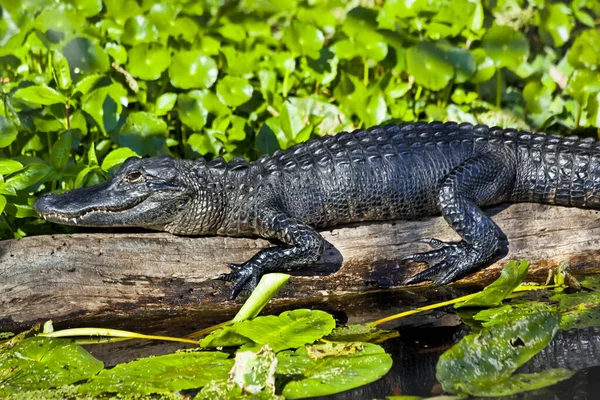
(134, 177)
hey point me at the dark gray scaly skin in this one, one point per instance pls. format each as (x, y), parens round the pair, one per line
(379, 174)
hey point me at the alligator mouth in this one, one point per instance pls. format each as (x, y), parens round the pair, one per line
(74, 218)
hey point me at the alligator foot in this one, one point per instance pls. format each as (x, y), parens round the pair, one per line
(241, 275)
(448, 262)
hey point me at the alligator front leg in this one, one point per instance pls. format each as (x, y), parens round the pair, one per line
(483, 180)
(305, 246)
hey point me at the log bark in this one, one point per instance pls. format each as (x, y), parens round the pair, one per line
(147, 280)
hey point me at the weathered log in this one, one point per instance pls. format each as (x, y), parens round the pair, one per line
(128, 279)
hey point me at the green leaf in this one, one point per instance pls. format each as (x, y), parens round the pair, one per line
(61, 151)
(537, 96)
(148, 61)
(30, 175)
(192, 69)
(9, 166)
(139, 29)
(255, 371)
(234, 91)
(92, 159)
(88, 8)
(205, 143)
(161, 374)
(520, 383)
(266, 141)
(89, 83)
(325, 369)
(43, 363)
(582, 83)
(557, 22)
(303, 39)
(117, 157)
(291, 121)
(40, 95)
(191, 110)
(429, 65)
(8, 132)
(117, 52)
(267, 288)
(585, 51)
(85, 56)
(506, 46)
(144, 133)
(488, 358)
(512, 275)
(165, 103)
(290, 329)
(60, 69)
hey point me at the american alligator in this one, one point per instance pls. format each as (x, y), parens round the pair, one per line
(382, 173)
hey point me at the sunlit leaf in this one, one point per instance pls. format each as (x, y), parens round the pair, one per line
(512, 275)
(506, 46)
(61, 151)
(8, 132)
(429, 65)
(337, 369)
(30, 175)
(40, 95)
(290, 329)
(41, 363)
(481, 360)
(192, 69)
(234, 91)
(148, 60)
(138, 30)
(117, 157)
(161, 374)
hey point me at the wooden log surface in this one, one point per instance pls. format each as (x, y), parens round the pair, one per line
(142, 280)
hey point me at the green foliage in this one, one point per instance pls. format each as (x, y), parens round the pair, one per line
(42, 363)
(290, 329)
(512, 275)
(202, 78)
(483, 363)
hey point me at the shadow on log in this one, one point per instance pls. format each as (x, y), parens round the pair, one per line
(147, 281)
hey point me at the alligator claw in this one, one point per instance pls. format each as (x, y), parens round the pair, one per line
(447, 262)
(241, 275)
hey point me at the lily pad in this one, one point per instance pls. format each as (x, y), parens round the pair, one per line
(234, 91)
(326, 369)
(585, 52)
(148, 60)
(162, 374)
(506, 46)
(290, 329)
(85, 56)
(192, 69)
(488, 358)
(42, 363)
(144, 133)
(429, 65)
(303, 39)
(139, 29)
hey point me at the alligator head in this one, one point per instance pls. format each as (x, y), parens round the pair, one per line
(148, 193)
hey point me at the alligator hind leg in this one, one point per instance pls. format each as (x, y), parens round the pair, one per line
(482, 180)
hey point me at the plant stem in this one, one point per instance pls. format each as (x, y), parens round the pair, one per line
(365, 72)
(67, 108)
(498, 89)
